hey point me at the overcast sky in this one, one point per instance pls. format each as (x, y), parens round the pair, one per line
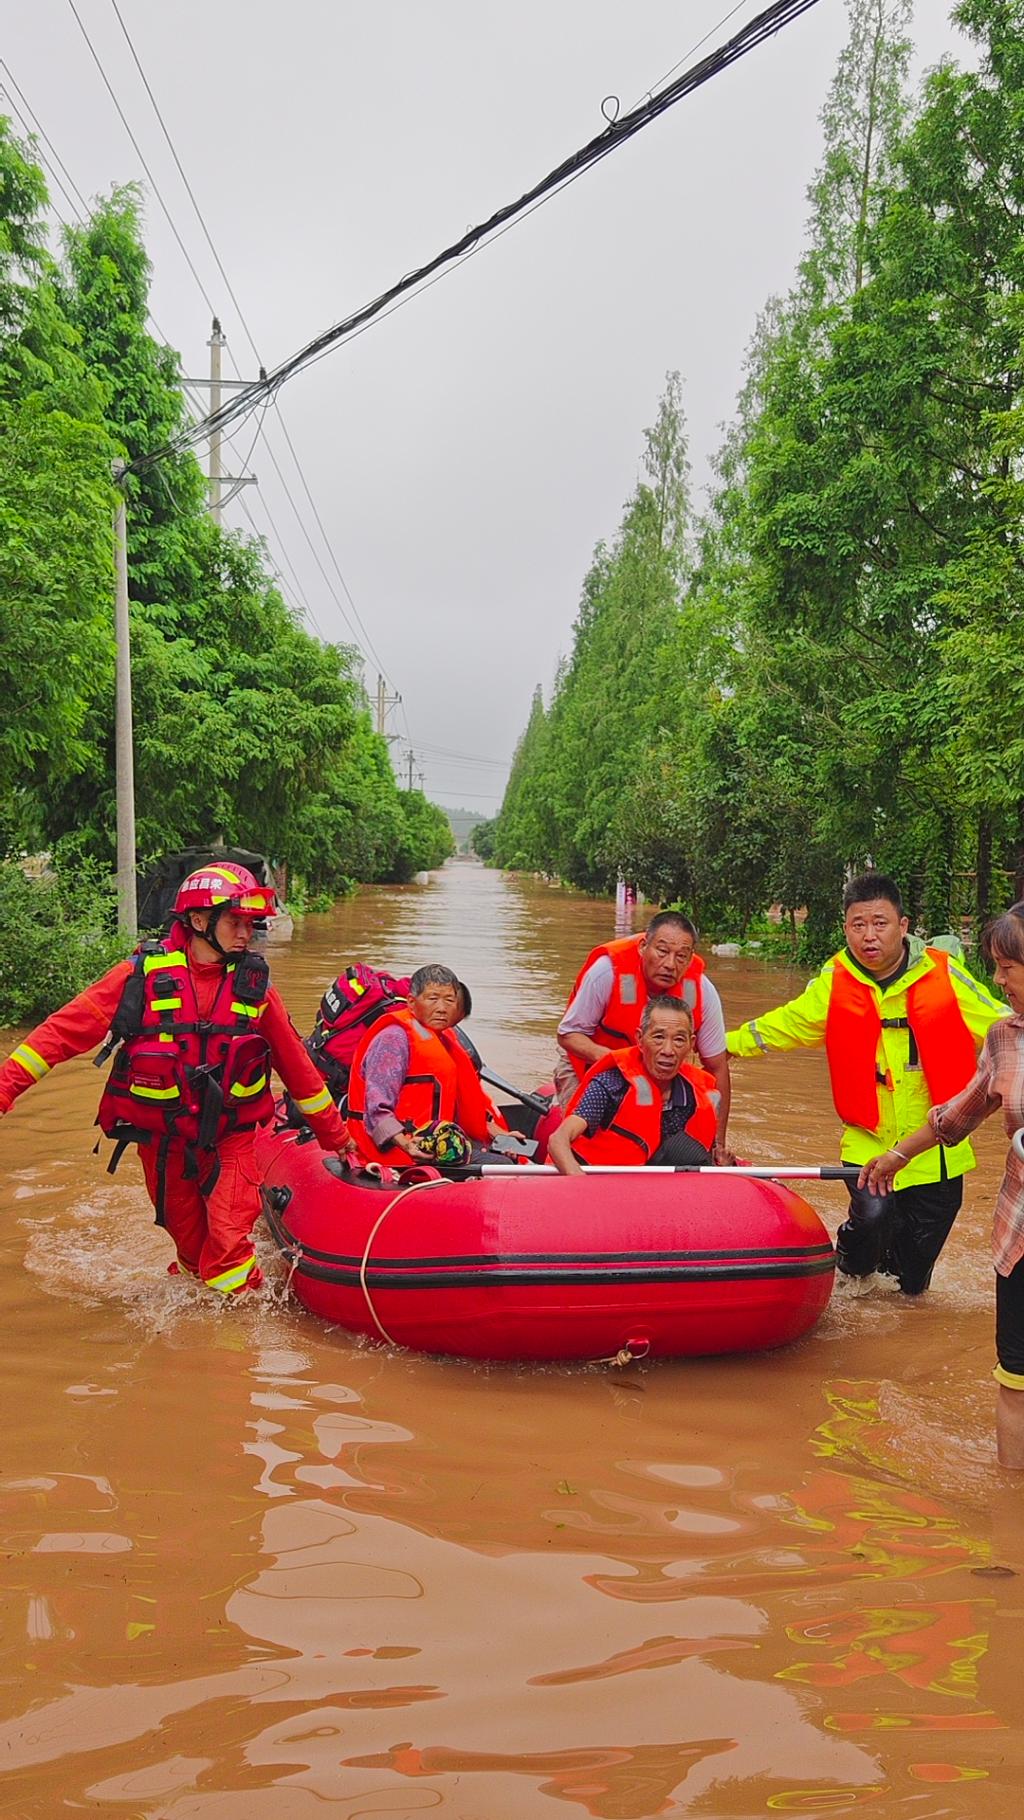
(467, 453)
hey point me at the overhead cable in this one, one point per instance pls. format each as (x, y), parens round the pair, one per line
(72, 194)
(370, 650)
(619, 129)
(189, 438)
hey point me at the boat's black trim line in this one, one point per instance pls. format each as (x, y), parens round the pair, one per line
(538, 1268)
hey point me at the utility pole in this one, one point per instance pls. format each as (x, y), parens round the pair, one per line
(127, 912)
(217, 341)
(217, 480)
(411, 762)
(384, 702)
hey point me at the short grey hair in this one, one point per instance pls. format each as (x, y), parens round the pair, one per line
(664, 1002)
(432, 976)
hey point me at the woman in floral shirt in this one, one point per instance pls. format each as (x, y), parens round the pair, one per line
(997, 1085)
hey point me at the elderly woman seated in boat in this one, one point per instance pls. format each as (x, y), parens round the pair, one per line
(646, 1104)
(410, 1073)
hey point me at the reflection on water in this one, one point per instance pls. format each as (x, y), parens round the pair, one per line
(253, 1569)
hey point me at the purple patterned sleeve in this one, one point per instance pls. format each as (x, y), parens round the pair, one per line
(385, 1066)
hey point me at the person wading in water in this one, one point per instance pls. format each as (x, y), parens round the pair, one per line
(197, 1027)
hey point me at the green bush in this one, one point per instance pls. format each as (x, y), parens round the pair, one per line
(56, 936)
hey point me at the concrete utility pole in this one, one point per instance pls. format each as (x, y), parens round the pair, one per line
(217, 341)
(411, 762)
(127, 911)
(384, 702)
(218, 385)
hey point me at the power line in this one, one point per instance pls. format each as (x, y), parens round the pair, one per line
(327, 542)
(142, 157)
(58, 162)
(359, 623)
(72, 191)
(779, 14)
(446, 761)
(189, 438)
(181, 172)
(724, 20)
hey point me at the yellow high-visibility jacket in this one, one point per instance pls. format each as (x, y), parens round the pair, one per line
(903, 1105)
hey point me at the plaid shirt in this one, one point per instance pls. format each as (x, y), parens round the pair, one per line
(999, 1082)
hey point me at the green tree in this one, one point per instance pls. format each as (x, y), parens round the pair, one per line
(56, 498)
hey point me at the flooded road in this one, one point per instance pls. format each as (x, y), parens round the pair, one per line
(253, 1570)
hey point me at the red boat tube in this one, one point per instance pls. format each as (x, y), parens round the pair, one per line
(549, 1267)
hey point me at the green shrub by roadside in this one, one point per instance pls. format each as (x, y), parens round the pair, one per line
(56, 935)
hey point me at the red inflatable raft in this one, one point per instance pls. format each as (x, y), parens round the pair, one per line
(549, 1267)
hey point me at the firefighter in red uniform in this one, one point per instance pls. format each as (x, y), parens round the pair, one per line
(197, 1027)
(646, 1103)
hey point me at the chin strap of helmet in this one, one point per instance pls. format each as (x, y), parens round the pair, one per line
(209, 934)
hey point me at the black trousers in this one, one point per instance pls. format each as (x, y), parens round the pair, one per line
(1010, 1320)
(901, 1233)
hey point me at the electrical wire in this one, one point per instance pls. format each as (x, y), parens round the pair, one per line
(724, 20)
(355, 622)
(153, 182)
(58, 162)
(25, 114)
(181, 172)
(779, 14)
(196, 432)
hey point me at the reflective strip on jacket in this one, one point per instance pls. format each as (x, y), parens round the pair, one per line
(903, 1098)
(184, 1076)
(635, 1132)
(621, 1020)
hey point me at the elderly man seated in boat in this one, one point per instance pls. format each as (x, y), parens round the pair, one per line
(645, 1104)
(411, 1075)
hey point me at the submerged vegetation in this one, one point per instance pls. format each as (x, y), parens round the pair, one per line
(825, 670)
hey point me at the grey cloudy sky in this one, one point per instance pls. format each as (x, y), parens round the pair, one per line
(466, 454)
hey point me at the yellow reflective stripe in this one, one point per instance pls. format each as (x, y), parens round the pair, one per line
(152, 961)
(31, 1061)
(165, 1004)
(246, 1093)
(317, 1102)
(156, 1093)
(164, 1037)
(231, 1279)
(249, 1010)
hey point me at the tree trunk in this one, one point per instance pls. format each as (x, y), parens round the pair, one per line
(983, 871)
(1018, 865)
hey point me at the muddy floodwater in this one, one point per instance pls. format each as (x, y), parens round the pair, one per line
(254, 1571)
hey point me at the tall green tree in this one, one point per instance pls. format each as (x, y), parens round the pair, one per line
(56, 496)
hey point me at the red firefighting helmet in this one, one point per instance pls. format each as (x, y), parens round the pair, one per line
(215, 887)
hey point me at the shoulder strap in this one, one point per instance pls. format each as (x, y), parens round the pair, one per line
(127, 1019)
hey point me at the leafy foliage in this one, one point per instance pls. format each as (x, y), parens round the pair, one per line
(246, 728)
(55, 936)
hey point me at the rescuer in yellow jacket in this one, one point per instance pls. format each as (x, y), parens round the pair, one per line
(901, 1024)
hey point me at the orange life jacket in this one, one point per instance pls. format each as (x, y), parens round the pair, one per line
(621, 1020)
(177, 1074)
(635, 1133)
(441, 1083)
(854, 1027)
